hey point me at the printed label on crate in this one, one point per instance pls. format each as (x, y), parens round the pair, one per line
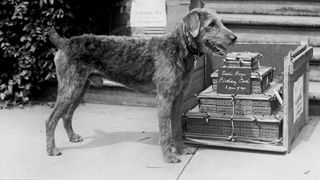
(234, 81)
(298, 100)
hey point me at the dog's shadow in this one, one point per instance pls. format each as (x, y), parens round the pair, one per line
(103, 138)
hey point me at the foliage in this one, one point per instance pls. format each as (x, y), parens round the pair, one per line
(26, 56)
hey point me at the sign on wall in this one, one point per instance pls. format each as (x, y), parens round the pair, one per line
(234, 81)
(148, 13)
(298, 98)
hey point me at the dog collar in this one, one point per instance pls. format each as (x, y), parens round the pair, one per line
(191, 50)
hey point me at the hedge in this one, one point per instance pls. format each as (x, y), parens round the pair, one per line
(26, 56)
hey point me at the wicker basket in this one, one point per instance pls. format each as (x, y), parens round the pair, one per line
(221, 105)
(260, 79)
(242, 59)
(264, 128)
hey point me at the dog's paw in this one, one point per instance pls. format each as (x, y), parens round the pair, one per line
(54, 152)
(76, 138)
(172, 159)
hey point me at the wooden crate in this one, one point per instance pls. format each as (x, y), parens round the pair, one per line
(260, 79)
(294, 73)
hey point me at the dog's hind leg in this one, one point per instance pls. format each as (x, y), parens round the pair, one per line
(67, 118)
(69, 89)
(164, 113)
(176, 114)
(60, 108)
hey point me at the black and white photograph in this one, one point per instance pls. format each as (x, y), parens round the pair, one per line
(159, 89)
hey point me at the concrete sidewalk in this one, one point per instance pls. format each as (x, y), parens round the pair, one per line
(121, 142)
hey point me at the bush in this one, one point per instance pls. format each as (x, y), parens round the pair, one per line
(26, 56)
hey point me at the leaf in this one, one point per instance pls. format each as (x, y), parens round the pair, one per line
(7, 92)
(28, 86)
(24, 72)
(11, 82)
(33, 48)
(48, 76)
(10, 88)
(51, 2)
(23, 38)
(3, 86)
(25, 99)
(3, 96)
(19, 94)
(18, 80)
(7, 103)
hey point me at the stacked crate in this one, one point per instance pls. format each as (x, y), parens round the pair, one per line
(256, 116)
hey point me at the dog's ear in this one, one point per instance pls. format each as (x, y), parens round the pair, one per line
(191, 23)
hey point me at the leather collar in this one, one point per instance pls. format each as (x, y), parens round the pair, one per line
(191, 50)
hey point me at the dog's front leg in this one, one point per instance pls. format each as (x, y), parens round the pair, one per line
(176, 114)
(164, 113)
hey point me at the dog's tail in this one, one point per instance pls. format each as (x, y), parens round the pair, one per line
(56, 39)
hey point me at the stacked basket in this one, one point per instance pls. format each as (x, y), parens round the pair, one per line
(255, 116)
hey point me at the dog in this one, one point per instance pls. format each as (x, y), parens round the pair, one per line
(162, 63)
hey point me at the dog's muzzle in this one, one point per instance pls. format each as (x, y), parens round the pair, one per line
(218, 49)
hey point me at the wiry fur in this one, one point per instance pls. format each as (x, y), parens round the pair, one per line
(143, 64)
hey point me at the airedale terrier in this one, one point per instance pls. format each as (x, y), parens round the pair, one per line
(164, 63)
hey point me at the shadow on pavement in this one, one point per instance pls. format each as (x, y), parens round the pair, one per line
(103, 138)
(306, 132)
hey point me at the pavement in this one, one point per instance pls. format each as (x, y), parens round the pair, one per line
(121, 142)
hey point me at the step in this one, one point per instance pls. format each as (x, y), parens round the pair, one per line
(122, 96)
(274, 28)
(119, 96)
(278, 29)
(265, 7)
(314, 74)
(314, 98)
(114, 95)
(316, 56)
(314, 93)
(271, 20)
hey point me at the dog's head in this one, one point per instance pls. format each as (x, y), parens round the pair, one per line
(206, 33)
